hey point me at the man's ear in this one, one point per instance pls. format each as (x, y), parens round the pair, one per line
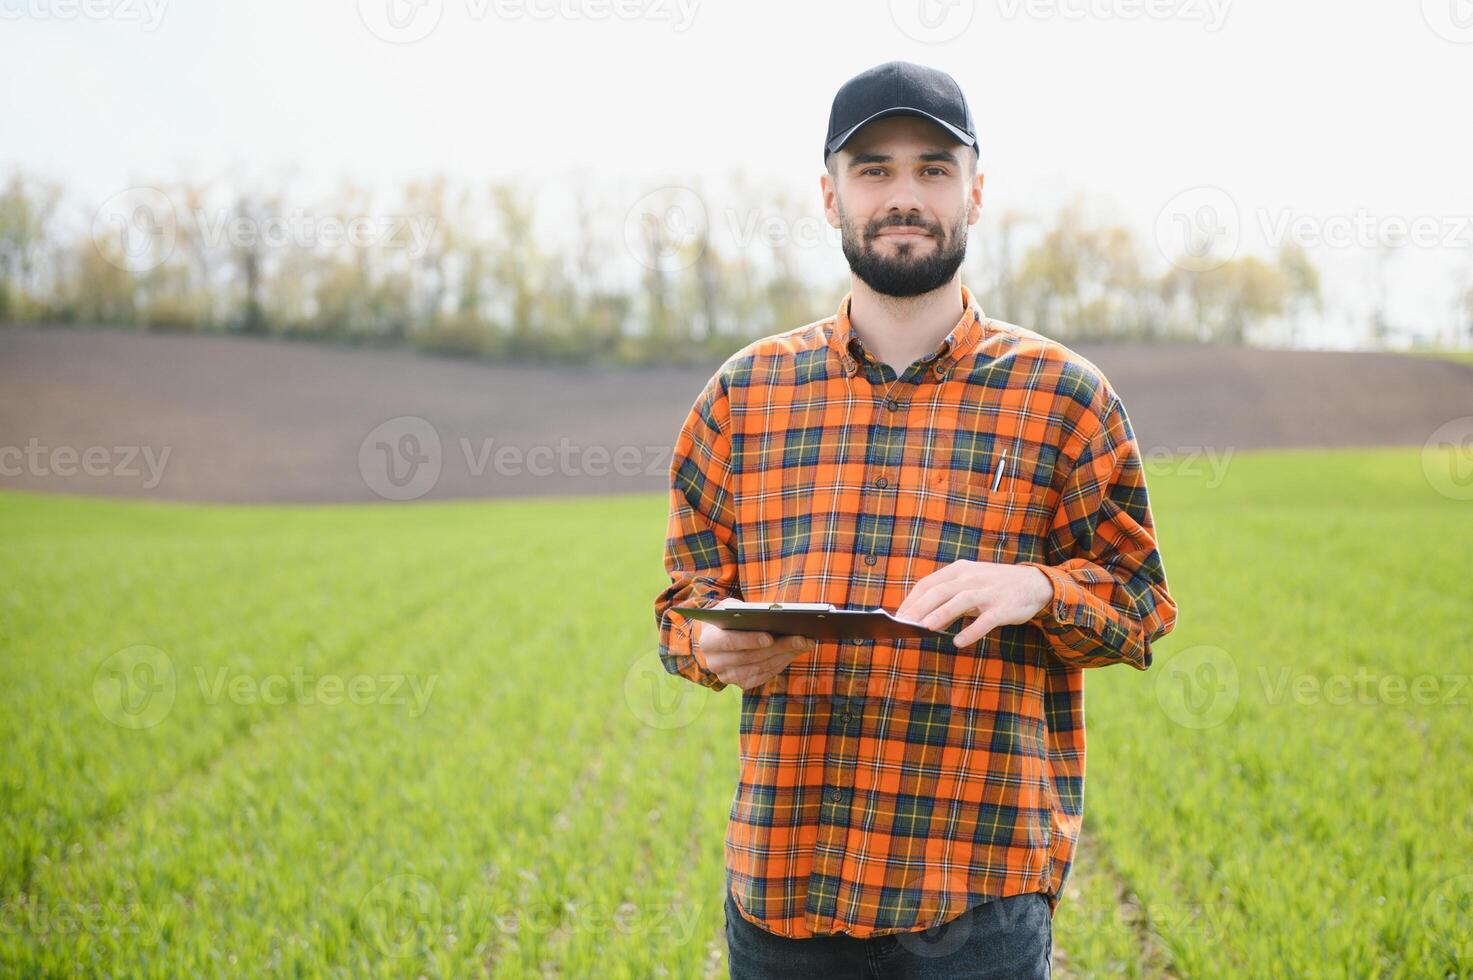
(828, 194)
(974, 200)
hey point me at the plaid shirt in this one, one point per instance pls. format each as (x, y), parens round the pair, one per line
(888, 786)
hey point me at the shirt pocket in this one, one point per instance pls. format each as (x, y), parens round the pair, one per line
(980, 523)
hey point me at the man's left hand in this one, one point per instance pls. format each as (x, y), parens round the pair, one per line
(997, 594)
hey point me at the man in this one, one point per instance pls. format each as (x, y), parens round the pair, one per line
(908, 808)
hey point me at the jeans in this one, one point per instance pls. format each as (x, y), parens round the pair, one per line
(1006, 937)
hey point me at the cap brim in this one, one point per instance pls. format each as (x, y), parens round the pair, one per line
(837, 143)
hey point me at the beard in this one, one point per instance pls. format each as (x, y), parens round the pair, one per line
(908, 271)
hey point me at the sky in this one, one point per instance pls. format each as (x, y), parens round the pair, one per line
(1336, 123)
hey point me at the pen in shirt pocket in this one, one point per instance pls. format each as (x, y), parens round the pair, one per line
(1001, 464)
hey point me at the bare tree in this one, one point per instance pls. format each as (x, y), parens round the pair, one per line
(1303, 281)
(27, 209)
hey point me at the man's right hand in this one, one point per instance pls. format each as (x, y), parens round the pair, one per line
(746, 658)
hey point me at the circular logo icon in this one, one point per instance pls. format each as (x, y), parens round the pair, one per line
(1451, 20)
(934, 888)
(397, 912)
(401, 458)
(1199, 229)
(401, 21)
(135, 687)
(1198, 688)
(666, 230)
(1448, 914)
(661, 699)
(932, 21)
(1447, 459)
(136, 229)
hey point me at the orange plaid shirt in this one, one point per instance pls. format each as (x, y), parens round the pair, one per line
(888, 786)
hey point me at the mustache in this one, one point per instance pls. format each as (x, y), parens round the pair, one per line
(933, 229)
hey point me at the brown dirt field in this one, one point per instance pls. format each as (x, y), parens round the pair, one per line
(274, 420)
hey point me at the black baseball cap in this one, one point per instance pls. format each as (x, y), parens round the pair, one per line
(899, 88)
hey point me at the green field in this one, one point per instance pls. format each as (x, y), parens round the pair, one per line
(1460, 356)
(369, 740)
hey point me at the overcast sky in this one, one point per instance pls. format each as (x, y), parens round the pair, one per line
(1331, 114)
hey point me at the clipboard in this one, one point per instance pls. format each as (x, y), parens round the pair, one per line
(819, 620)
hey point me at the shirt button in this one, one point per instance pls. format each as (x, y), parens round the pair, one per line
(835, 795)
(882, 483)
(869, 559)
(892, 404)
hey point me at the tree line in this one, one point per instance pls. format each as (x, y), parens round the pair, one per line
(679, 274)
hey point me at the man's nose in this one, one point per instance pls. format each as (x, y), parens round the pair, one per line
(904, 194)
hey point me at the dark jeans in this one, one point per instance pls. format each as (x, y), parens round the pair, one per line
(1007, 937)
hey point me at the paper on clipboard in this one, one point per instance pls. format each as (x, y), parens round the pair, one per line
(819, 620)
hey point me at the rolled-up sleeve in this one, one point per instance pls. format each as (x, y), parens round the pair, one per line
(700, 538)
(1110, 599)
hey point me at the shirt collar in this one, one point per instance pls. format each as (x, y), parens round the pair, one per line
(956, 345)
